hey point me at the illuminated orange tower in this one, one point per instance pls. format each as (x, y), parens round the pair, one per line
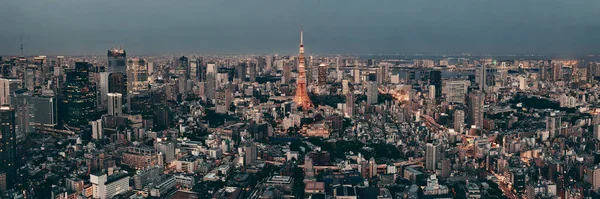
(301, 97)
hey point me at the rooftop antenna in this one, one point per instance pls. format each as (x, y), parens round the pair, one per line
(21, 46)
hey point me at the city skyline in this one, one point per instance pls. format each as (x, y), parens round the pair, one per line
(315, 99)
(264, 27)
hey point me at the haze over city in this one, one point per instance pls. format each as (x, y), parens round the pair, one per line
(69, 27)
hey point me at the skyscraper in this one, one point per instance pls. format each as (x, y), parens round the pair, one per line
(285, 77)
(372, 93)
(553, 123)
(7, 86)
(249, 153)
(543, 72)
(42, 110)
(432, 156)
(29, 77)
(372, 168)
(167, 149)
(20, 104)
(117, 60)
(240, 71)
(253, 72)
(349, 104)
(115, 104)
(183, 67)
(482, 74)
(103, 88)
(8, 144)
(301, 98)
(117, 83)
(556, 71)
(322, 76)
(137, 75)
(197, 69)
(210, 84)
(459, 120)
(261, 64)
(475, 116)
(381, 74)
(435, 79)
(79, 95)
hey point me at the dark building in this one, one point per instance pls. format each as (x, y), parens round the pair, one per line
(117, 60)
(162, 117)
(322, 76)
(8, 144)
(183, 67)
(199, 68)
(79, 99)
(262, 63)
(240, 71)
(435, 79)
(253, 72)
(141, 103)
(117, 83)
(42, 110)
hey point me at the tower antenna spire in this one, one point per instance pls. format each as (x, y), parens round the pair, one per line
(21, 46)
(301, 35)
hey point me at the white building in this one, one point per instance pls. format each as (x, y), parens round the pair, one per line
(104, 186)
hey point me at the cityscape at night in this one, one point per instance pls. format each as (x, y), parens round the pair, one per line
(299, 105)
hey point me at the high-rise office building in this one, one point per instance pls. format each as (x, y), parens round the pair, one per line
(240, 71)
(435, 79)
(29, 78)
(372, 168)
(117, 83)
(252, 72)
(117, 60)
(167, 149)
(261, 64)
(115, 104)
(382, 74)
(223, 99)
(456, 90)
(349, 104)
(7, 86)
(97, 129)
(432, 156)
(553, 123)
(103, 88)
(285, 77)
(137, 75)
(79, 95)
(459, 120)
(556, 72)
(372, 93)
(20, 104)
(322, 77)
(43, 110)
(345, 87)
(476, 103)
(543, 72)
(210, 84)
(197, 72)
(8, 144)
(249, 153)
(481, 77)
(357, 76)
(183, 67)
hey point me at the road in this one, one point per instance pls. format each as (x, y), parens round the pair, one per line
(504, 187)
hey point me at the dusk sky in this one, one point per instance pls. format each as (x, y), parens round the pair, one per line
(74, 27)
